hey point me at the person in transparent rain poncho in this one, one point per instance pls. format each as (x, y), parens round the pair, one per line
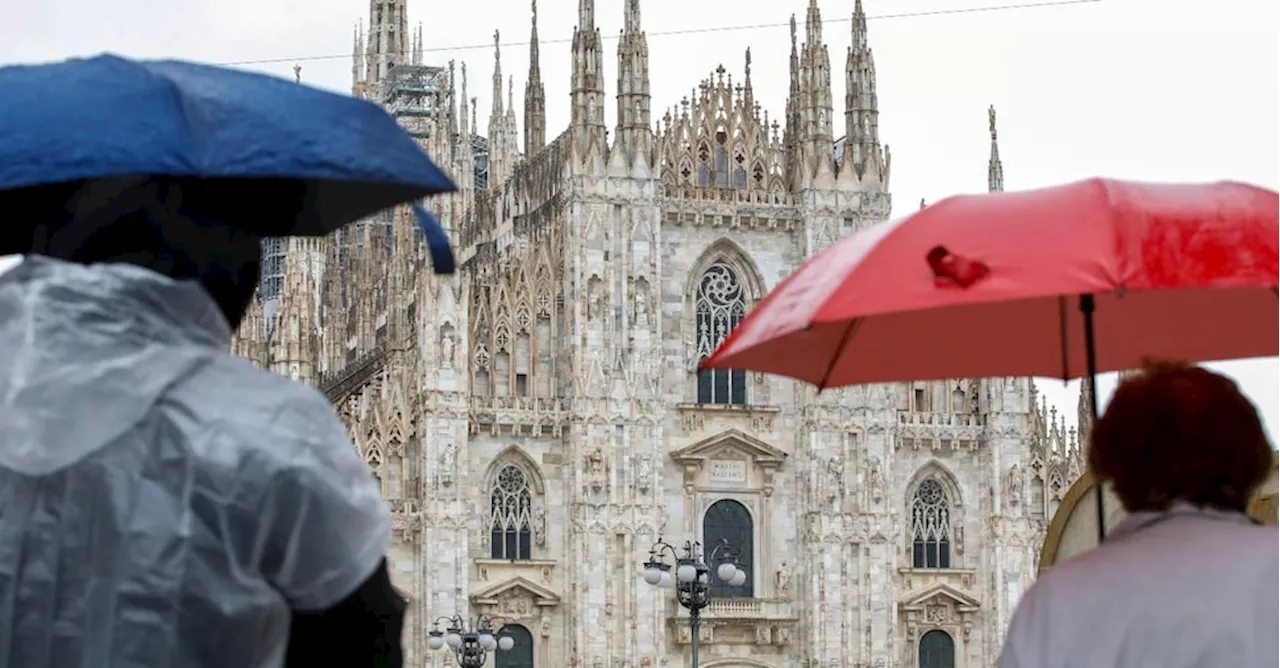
(1187, 579)
(163, 503)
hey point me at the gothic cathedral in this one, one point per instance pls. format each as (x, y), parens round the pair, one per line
(535, 420)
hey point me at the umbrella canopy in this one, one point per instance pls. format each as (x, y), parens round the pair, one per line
(269, 155)
(1001, 284)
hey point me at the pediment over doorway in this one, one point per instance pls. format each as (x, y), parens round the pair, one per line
(516, 596)
(729, 459)
(731, 442)
(940, 595)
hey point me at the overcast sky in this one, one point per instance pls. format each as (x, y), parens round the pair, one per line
(1148, 89)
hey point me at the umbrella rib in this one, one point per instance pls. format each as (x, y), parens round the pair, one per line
(854, 323)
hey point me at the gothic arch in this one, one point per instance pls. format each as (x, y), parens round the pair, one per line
(730, 253)
(936, 470)
(516, 508)
(934, 511)
(514, 455)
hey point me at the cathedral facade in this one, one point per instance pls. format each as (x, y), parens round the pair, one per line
(536, 421)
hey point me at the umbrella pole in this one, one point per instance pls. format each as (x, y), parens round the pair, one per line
(1091, 377)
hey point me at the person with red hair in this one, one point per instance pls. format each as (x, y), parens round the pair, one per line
(1186, 579)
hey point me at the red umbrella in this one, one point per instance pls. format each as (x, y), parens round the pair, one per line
(1001, 284)
(1062, 282)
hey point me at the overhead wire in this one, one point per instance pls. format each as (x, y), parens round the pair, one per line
(700, 31)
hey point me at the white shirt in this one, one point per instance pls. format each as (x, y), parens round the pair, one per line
(1188, 588)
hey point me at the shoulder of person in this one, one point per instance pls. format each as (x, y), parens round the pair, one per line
(264, 417)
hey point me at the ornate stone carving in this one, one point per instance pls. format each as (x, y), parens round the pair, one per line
(782, 581)
(539, 525)
(447, 345)
(448, 463)
(876, 483)
(595, 467)
(644, 473)
(1013, 486)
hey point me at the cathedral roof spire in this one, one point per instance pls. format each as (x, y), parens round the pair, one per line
(535, 96)
(497, 77)
(995, 169)
(587, 88)
(388, 42)
(357, 55)
(864, 162)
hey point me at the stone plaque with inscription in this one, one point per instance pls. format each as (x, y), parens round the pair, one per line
(726, 471)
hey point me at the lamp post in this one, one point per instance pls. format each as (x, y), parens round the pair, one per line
(470, 642)
(692, 579)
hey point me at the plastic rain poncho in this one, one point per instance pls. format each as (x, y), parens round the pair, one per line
(1187, 588)
(162, 503)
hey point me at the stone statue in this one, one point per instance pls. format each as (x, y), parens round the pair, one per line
(784, 580)
(540, 526)
(448, 462)
(446, 351)
(876, 482)
(1013, 485)
(642, 309)
(595, 462)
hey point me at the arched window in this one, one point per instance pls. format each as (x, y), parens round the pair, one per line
(521, 653)
(721, 305)
(510, 506)
(930, 526)
(957, 400)
(722, 161)
(937, 650)
(728, 520)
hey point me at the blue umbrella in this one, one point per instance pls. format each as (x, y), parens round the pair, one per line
(271, 156)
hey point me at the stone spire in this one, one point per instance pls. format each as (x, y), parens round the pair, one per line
(995, 169)
(587, 87)
(535, 96)
(498, 167)
(863, 164)
(817, 159)
(388, 41)
(357, 56)
(417, 45)
(792, 123)
(633, 141)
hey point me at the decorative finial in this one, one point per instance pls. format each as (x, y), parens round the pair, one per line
(991, 120)
(535, 11)
(495, 42)
(297, 74)
(748, 66)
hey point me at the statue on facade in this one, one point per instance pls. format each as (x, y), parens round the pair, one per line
(876, 482)
(448, 462)
(783, 581)
(642, 309)
(1013, 485)
(447, 345)
(540, 526)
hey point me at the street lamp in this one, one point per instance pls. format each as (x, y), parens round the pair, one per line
(692, 579)
(470, 642)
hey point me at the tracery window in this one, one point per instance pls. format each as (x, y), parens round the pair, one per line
(930, 526)
(937, 650)
(721, 305)
(740, 172)
(730, 521)
(510, 515)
